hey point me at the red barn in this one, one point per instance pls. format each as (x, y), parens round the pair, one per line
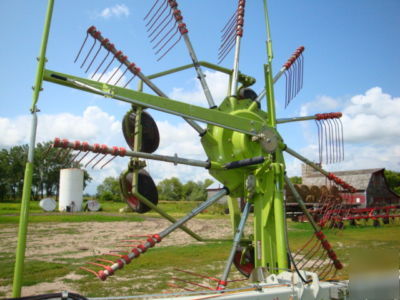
(371, 185)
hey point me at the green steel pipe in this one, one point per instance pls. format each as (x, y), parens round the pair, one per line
(42, 54)
(243, 79)
(22, 232)
(166, 215)
(209, 116)
(303, 207)
(26, 192)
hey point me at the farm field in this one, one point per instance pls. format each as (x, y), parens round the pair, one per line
(58, 243)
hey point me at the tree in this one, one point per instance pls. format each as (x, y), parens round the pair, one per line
(296, 180)
(109, 190)
(170, 189)
(173, 189)
(393, 180)
(47, 165)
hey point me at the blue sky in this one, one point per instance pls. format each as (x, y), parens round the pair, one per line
(351, 65)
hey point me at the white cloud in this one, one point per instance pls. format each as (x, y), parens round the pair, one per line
(373, 117)
(119, 10)
(321, 104)
(97, 126)
(185, 142)
(217, 83)
(115, 75)
(371, 130)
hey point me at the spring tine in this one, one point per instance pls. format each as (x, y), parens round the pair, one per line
(90, 51)
(295, 81)
(289, 86)
(169, 49)
(227, 36)
(48, 150)
(105, 260)
(338, 148)
(198, 275)
(151, 9)
(80, 50)
(156, 15)
(97, 52)
(115, 72)
(74, 157)
(193, 283)
(96, 264)
(160, 24)
(231, 20)
(59, 153)
(319, 141)
(224, 52)
(302, 69)
(293, 69)
(179, 287)
(331, 141)
(102, 62)
(324, 139)
(174, 32)
(310, 257)
(227, 45)
(115, 83)
(157, 24)
(79, 161)
(128, 82)
(331, 138)
(163, 28)
(299, 72)
(105, 70)
(90, 271)
(99, 161)
(92, 159)
(341, 138)
(227, 50)
(66, 154)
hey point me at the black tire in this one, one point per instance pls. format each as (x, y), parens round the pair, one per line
(146, 187)
(150, 134)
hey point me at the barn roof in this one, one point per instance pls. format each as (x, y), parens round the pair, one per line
(357, 178)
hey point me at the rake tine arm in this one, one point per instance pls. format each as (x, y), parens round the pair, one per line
(156, 238)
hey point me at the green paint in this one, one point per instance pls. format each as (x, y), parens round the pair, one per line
(213, 116)
(26, 193)
(22, 232)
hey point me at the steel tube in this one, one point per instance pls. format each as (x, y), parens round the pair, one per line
(172, 159)
(199, 71)
(236, 241)
(237, 122)
(175, 225)
(276, 78)
(235, 74)
(295, 119)
(26, 192)
(194, 212)
(150, 84)
(303, 207)
(306, 161)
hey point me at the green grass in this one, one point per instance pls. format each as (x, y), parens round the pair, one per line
(152, 271)
(9, 212)
(75, 217)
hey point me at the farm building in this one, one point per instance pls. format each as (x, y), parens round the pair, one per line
(371, 185)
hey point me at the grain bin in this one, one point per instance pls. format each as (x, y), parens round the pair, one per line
(71, 189)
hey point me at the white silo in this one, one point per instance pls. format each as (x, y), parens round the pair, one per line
(71, 190)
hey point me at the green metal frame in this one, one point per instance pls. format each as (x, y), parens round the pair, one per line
(231, 129)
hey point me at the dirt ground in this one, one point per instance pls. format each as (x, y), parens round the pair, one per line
(52, 241)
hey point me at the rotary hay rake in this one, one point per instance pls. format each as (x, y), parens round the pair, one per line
(242, 143)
